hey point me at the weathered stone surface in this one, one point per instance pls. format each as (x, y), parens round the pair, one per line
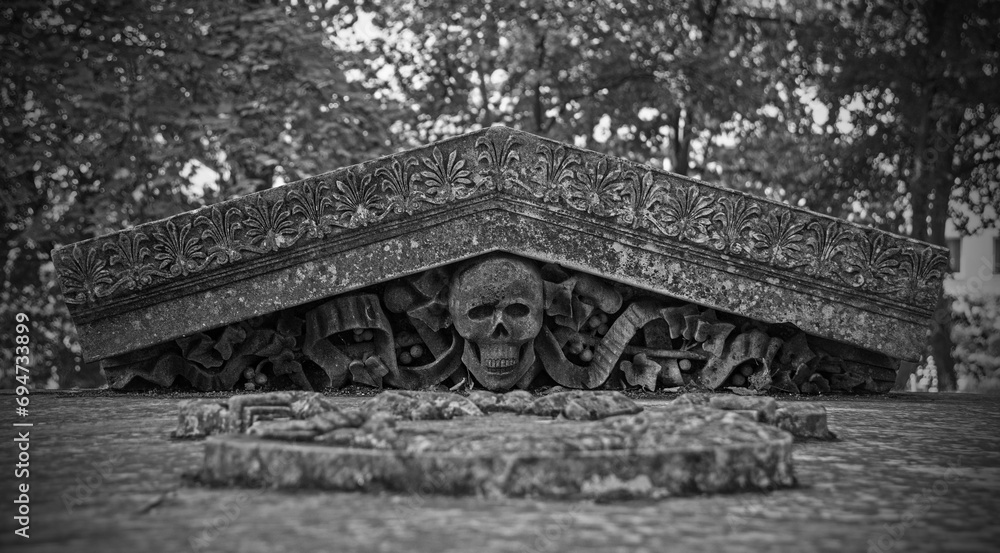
(306, 415)
(245, 410)
(492, 190)
(305, 429)
(518, 401)
(320, 444)
(198, 418)
(804, 420)
(765, 406)
(291, 430)
(914, 472)
(583, 405)
(352, 338)
(311, 404)
(647, 455)
(423, 405)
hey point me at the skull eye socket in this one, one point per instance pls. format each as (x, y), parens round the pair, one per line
(517, 310)
(481, 311)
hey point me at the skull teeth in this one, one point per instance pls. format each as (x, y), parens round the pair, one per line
(498, 356)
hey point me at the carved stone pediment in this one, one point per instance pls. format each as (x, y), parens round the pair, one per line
(200, 279)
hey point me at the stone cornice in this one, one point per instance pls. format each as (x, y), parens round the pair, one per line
(690, 220)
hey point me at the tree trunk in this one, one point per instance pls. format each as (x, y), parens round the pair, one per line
(930, 188)
(682, 142)
(941, 345)
(537, 107)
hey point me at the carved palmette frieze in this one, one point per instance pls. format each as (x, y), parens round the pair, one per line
(618, 193)
(311, 203)
(734, 224)
(778, 239)
(498, 160)
(221, 232)
(642, 198)
(132, 258)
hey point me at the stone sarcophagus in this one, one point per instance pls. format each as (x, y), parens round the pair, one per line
(502, 260)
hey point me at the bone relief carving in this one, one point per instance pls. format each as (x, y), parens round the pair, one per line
(501, 322)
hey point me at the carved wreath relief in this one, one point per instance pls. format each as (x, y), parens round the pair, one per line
(497, 322)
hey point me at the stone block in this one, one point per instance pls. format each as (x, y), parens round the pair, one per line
(198, 418)
(804, 420)
(650, 455)
(765, 406)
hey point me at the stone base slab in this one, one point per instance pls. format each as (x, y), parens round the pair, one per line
(650, 455)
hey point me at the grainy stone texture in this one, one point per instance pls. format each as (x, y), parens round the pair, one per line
(933, 460)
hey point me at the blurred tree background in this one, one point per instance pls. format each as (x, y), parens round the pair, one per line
(119, 112)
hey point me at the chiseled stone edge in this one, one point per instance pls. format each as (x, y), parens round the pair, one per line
(197, 251)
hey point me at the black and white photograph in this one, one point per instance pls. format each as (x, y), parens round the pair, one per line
(499, 276)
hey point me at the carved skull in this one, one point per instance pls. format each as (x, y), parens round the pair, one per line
(497, 306)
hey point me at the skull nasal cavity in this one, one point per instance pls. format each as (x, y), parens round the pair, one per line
(500, 331)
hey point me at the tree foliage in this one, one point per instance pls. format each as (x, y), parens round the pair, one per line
(110, 107)
(114, 112)
(912, 91)
(914, 86)
(645, 80)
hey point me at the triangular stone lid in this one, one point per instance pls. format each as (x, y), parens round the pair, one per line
(500, 189)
